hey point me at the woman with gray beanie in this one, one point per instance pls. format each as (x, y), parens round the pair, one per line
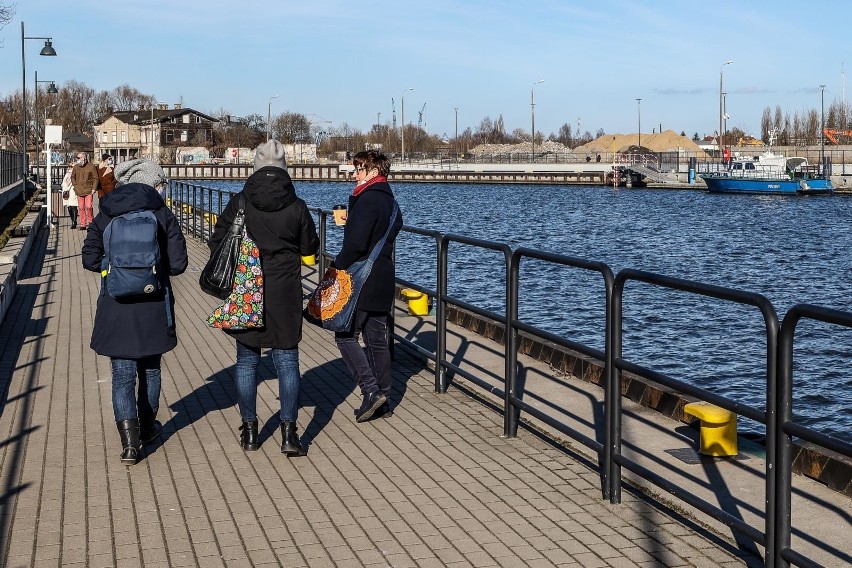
(135, 331)
(281, 225)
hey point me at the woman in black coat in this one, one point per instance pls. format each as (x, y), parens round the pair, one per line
(135, 332)
(281, 225)
(371, 207)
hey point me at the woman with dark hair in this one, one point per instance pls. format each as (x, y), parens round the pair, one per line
(371, 207)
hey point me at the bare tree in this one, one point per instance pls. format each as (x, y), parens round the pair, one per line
(292, 127)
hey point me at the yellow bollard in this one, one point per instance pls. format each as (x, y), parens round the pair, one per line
(418, 302)
(718, 429)
(309, 260)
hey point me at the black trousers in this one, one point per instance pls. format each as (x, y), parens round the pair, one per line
(72, 212)
(370, 365)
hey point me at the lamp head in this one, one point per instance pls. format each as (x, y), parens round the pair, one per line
(48, 48)
(52, 88)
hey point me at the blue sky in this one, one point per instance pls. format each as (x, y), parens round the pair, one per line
(344, 61)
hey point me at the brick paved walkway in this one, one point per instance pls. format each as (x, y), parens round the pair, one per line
(434, 485)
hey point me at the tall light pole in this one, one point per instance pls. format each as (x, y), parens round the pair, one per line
(403, 120)
(269, 117)
(46, 50)
(639, 114)
(456, 139)
(822, 127)
(532, 115)
(51, 89)
(722, 107)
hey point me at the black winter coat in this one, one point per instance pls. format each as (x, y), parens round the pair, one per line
(366, 222)
(281, 225)
(132, 329)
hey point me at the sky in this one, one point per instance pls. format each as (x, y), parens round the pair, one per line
(343, 62)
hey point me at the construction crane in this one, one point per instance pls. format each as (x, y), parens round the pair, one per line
(833, 133)
(420, 116)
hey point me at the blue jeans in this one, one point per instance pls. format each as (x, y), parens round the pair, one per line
(126, 403)
(370, 365)
(289, 381)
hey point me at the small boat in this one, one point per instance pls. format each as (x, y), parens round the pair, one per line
(770, 174)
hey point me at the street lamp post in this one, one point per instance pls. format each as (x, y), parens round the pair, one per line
(51, 89)
(269, 117)
(822, 128)
(639, 115)
(48, 51)
(456, 139)
(722, 107)
(532, 115)
(403, 120)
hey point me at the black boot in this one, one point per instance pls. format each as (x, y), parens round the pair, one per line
(149, 428)
(248, 436)
(128, 431)
(290, 445)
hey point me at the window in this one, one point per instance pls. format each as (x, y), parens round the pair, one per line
(197, 120)
(186, 119)
(183, 136)
(114, 136)
(104, 137)
(123, 136)
(170, 136)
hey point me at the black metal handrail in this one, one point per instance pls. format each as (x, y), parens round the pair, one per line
(770, 317)
(787, 427)
(185, 200)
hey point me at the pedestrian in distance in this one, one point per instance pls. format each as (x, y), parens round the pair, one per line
(69, 197)
(371, 206)
(284, 231)
(84, 177)
(106, 177)
(134, 331)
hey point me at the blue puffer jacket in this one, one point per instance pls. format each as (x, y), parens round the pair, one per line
(138, 328)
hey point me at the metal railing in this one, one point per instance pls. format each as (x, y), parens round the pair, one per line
(190, 203)
(10, 167)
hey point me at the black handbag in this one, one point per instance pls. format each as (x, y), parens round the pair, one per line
(217, 278)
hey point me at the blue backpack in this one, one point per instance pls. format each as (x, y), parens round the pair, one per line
(131, 264)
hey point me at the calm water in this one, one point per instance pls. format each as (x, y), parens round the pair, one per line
(792, 250)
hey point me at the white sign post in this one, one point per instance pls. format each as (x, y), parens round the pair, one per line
(52, 135)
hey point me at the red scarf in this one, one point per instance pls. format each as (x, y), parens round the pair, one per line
(359, 189)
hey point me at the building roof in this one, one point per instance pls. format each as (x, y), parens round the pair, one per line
(143, 116)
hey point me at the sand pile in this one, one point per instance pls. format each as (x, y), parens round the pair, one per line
(667, 141)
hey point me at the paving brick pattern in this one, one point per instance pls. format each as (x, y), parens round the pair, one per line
(433, 485)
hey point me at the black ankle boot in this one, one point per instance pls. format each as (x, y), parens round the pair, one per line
(128, 431)
(149, 428)
(248, 436)
(290, 445)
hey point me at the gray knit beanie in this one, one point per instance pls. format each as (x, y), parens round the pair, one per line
(139, 171)
(270, 153)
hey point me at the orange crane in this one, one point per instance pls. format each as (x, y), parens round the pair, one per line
(832, 134)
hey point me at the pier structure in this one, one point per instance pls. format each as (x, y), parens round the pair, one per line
(435, 484)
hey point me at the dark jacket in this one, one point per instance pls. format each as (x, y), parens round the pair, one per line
(366, 222)
(281, 225)
(131, 329)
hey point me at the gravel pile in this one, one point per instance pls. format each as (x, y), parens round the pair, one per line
(546, 147)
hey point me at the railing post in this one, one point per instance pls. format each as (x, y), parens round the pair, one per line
(511, 413)
(612, 434)
(441, 317)
(783, 443)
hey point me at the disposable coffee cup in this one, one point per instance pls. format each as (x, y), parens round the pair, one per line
(339, 214)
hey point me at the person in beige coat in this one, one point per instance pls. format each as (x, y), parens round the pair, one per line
(69, 197)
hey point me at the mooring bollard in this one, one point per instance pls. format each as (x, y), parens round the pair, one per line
(718, 435)
(418, 302)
